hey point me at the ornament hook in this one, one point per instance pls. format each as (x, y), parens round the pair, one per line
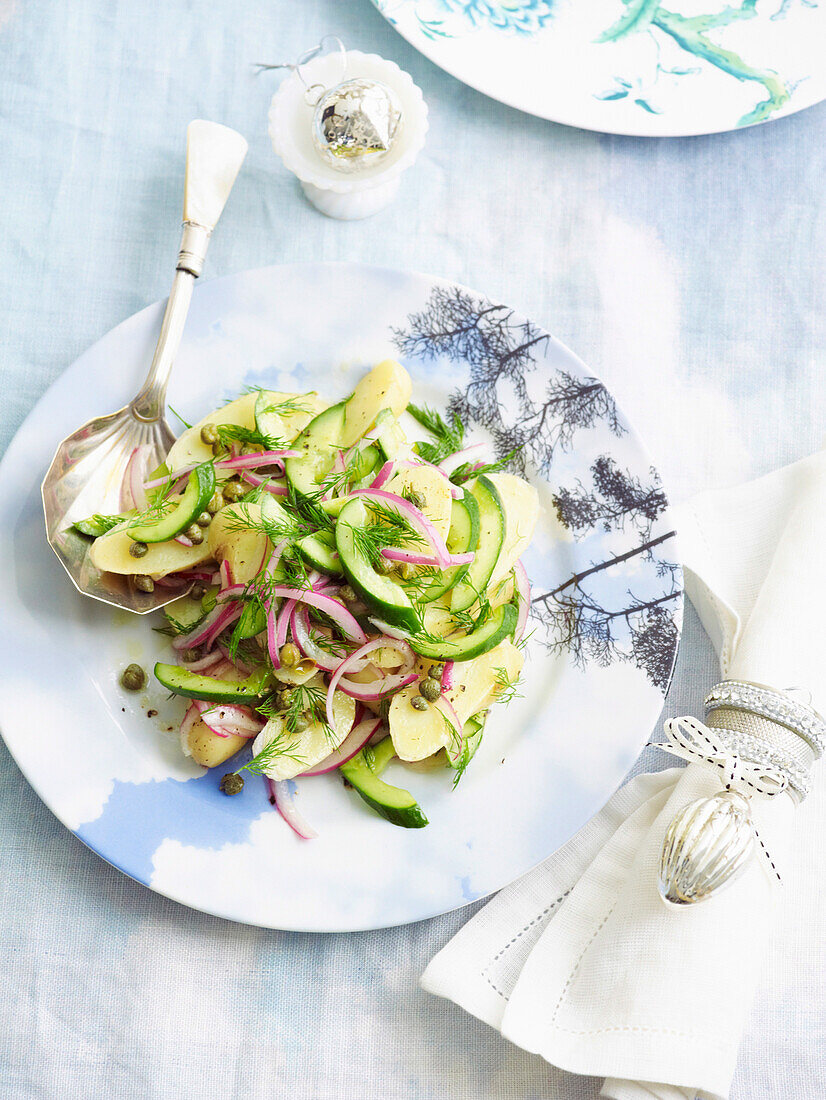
(312, 92)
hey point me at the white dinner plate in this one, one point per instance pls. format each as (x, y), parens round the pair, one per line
(606, 586)
(659, 68)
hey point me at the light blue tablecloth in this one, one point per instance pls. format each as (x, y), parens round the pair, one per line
(689, 274)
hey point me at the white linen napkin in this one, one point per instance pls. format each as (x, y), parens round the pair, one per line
(580, 961)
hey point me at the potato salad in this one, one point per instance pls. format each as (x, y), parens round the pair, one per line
(351, 587)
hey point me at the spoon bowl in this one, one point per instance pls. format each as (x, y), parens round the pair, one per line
(92, 468)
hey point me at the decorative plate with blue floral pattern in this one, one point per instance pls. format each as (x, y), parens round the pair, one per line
(607, 602)
(647, 67)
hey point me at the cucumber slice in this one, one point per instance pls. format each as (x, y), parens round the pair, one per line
(318, 444)
(390, 436)
(320, 552)
(253, 620)
(491, 537)
(192, 685)
(364, 464)
(500, 624)
(462, 537)
(198, 493)
(395, 804)
(462, 754)
(184, 614)
(384, 596)
(97, 525)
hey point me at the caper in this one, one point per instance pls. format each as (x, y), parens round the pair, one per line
(194, 534)
(282, 698)
(384, 566)
(216, 503)
(218, 449)
(418, 703)
(209, 434)
(416, 499)
(247, 449)
(430, 689)
(133, 678)
(347, 593)
(305, 666)
(435, 671)
(204, 519)
(300, 723)
(138, 549)
(290, 655)
(190, 655)
(232, 783)
(233, 491)
(143, 583)
(197, 591)
(407, 571)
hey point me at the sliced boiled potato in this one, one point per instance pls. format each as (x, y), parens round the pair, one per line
(520, 502)
(110, 554)
(432, 489)
(386, 386)
(418, 734)
(189, 448)
(208, 748)
(297, 675)
(243, 548)
(309, 747)
(307, 407)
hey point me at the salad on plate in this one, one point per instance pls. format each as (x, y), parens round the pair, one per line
(351, 594)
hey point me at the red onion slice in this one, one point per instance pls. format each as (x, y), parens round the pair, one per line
(377, 689)
(354, 742)
(447, 676)
(277, 489)
(284, 622)
(281, 796)
(133, 493)
(334, 609)
(459, 458)
(202, 663)
(368, 692)
(229, 720)
(302, 634)
(383, 476)
(394, 553)
(272, 633)
(200, 633)
(415, 518)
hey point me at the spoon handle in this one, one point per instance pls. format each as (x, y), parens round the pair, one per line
(214, 155)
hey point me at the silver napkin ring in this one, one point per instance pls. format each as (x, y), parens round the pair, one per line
(777, 706)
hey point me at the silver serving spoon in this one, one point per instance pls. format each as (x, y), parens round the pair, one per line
(87, 472)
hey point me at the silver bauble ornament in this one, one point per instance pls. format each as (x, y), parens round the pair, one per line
(356, 123)
(707, 845)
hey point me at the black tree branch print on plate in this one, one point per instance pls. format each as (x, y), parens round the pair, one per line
(538, 412)
(501, 351)
(590, 627)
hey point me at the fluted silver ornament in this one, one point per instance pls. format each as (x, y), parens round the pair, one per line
(707, 846)
(356, 123)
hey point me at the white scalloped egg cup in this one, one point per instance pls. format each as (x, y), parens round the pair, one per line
(360, 194)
